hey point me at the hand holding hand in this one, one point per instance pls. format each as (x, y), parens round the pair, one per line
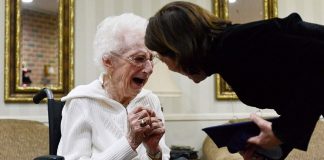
(153, 137)
(139, 121)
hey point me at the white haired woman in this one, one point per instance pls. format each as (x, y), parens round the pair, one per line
(114, 118)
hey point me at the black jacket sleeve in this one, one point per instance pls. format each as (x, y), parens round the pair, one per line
(303, 108)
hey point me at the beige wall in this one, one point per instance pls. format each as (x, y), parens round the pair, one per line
(186, 115)
(310, 10)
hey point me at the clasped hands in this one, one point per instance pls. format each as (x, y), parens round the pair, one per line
(146, 128)
(266, 139)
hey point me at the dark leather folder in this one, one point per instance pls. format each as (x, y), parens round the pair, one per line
(234, 136)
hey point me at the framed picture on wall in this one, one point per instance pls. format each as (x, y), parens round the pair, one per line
(240, 11)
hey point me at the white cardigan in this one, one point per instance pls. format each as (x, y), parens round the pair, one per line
(95, 127)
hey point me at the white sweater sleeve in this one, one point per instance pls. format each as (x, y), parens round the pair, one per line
(76, 140)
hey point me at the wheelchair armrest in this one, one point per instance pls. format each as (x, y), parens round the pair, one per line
(49, 157)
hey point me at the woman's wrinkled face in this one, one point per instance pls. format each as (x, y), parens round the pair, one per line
(173, 67)
(131, 70)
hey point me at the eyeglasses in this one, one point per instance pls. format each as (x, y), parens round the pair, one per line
(138, 60)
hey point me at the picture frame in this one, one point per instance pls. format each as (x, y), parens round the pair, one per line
(223, 9)
(16, 91)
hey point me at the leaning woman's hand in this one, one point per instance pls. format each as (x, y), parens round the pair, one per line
(266, 139)
(139, 121)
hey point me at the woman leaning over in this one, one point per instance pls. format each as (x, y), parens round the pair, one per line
(265, 62)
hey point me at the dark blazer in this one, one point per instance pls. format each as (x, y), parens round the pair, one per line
(276, 64)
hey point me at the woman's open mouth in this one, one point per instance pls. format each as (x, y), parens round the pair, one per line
(139, 82)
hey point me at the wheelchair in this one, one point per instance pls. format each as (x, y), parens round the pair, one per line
(54, 108)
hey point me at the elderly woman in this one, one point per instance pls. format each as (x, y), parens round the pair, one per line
(114, 118)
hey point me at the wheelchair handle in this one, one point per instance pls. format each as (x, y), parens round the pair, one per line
(42, 94)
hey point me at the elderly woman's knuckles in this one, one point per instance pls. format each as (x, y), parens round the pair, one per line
(143, 113)
(156, 120)
(157, 125)
(145, 109)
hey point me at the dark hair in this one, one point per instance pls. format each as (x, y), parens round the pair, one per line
(180, 30)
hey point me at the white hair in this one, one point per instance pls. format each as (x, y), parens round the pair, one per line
(119, 34)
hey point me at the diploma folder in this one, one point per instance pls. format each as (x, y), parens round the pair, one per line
(234, 136)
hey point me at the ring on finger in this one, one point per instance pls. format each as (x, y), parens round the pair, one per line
(142, 122)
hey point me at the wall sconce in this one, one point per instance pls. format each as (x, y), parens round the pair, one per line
(48, 70)
(27, 1)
